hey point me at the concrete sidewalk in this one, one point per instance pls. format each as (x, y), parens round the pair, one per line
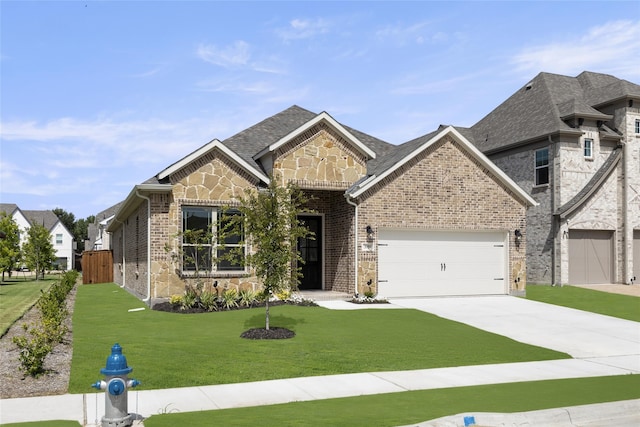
(601, 345)
(89, 408)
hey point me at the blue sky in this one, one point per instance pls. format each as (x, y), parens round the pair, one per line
(96, 97)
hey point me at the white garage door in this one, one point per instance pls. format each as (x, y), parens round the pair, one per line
(427, 263)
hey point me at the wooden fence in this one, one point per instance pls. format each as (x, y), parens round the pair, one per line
(97, 267)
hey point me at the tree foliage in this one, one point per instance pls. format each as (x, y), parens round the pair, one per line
(269, 221)
(10, 244)
(38, 250)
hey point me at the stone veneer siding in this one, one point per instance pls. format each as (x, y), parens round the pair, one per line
(442, 188)
(211, 181)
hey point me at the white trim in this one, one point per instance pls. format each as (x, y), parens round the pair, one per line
(308, 125)
(204, 150)
(484, 161)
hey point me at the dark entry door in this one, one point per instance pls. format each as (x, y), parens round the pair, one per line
(311, 252)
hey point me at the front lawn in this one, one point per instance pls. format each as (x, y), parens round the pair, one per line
(412, 407)
(616, 305)
(176, 350)
(17, 296)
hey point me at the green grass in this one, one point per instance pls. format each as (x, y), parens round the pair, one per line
(175, 350)
(54, 423)
(622, 306)
(416, 406)
(17, 296)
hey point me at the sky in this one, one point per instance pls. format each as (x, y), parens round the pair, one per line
(98, 96)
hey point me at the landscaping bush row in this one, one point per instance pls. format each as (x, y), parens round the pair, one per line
(42, 335)
(197, 299)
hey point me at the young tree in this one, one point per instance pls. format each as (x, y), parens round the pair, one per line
(38, 250)
(9, 244)
(269, 222)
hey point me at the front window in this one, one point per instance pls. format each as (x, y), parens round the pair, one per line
(58, 239)
(200, 249)
(542, 167)
(637, 126)
(588, 148)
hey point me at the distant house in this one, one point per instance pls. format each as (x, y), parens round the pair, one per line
(61, 237)
(573, 143)
(98, 238)
(432, 216)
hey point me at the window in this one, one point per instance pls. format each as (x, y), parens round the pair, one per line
(542, 167)
(588, 148)
(637, 126)
(200, 251)
(58, 239)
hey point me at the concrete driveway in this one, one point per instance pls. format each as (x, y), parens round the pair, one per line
(579, 333)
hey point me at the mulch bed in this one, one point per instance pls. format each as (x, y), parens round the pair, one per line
(273, 333)
(270, 334)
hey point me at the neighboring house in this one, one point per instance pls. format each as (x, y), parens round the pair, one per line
(61, 238)
(98, 238)
(432, 216)
(573, 143)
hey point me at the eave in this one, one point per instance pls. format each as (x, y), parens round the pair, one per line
(133, 200)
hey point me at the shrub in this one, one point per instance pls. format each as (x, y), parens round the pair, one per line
(175, 300)
(33, 350)
(209, 300)
(247, 297)
(50, 330)
(283, 294)
(229, 298)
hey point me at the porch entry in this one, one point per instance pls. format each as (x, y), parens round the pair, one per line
(311, 252)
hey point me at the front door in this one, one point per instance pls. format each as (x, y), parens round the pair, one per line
(310, 249)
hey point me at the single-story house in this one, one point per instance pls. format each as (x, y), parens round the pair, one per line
(432, 216)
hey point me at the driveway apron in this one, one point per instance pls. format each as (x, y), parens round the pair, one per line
(578, 333)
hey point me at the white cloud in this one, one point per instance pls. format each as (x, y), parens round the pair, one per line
(405, 34)
(601, 49)
(235, 55)
(303, 29)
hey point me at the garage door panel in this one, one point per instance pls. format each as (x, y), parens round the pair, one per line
(590, 256)
(418, 263)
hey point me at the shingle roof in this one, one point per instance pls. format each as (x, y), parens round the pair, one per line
(536, 110)
(8, 208)
(46, 218)
(249, 142)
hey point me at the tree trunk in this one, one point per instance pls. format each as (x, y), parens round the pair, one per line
(266, 320)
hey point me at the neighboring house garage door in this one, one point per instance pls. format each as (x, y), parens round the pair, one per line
(426, 263)
(590, 256)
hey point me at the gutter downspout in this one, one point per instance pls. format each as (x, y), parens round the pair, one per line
(355, 252)
(628, 279)
(148, 298)
(557, 225)
(124, 259)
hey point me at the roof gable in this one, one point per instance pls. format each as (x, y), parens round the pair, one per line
(320, 118)
(411, 149)
(46, 218)
(213, 145)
